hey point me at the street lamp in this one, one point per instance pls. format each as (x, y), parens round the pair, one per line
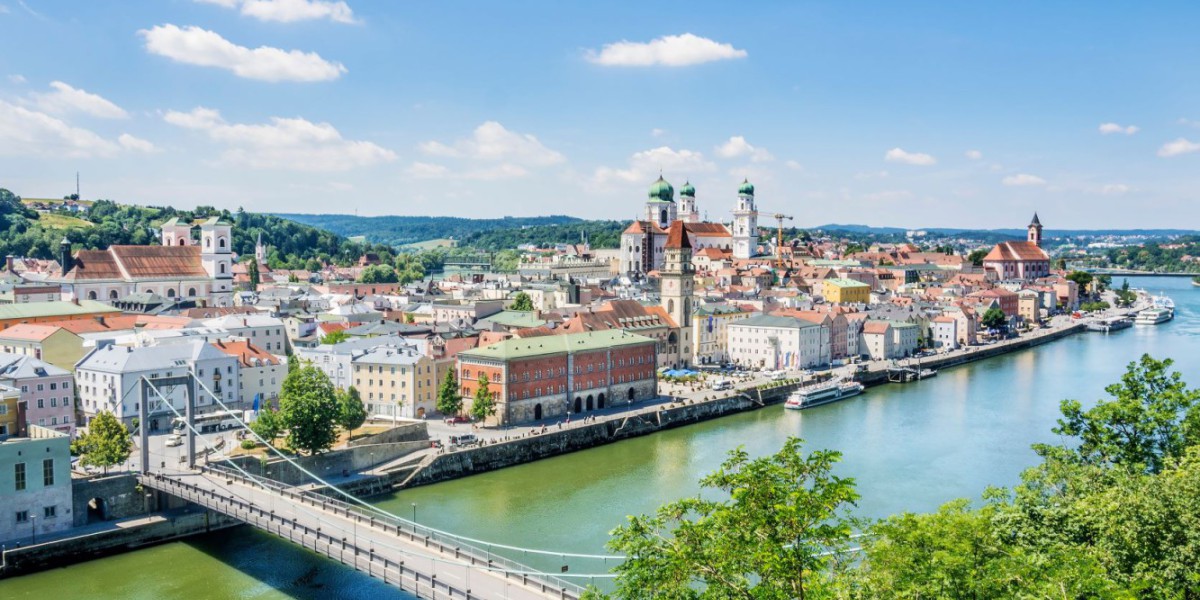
(33, 528)
(414, 505)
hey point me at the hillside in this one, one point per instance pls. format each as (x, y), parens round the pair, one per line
(25, 232)
(402, 230)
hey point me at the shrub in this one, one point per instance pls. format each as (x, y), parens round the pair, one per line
(249, 444)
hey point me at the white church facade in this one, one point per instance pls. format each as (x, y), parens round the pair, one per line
(643, 243)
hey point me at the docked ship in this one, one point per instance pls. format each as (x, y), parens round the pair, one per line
(1154, 316)
(822, 394)
(1110, 324)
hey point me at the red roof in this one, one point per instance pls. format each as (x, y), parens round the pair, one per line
(677, 238)
(1018, 251)
(245, 352)
(876, 327)
(707, 229)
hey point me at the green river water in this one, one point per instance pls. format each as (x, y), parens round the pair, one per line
(910, 447)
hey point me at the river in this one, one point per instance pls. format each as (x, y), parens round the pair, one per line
(910, 447)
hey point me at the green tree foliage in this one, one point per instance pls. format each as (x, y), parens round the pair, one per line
(252, 271)
(1094, 306)
(976, 256)
(352, 414)
(336, 336)
(378, 274)
(310, 410)
(1081, 278)
(401, 230)
(107, 442)
(1149, 419)
(268, 424)
(484, 405)
(449, 400)
(994, 318)
(522, 302)
(767, 533)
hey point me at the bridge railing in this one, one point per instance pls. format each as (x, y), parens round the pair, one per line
(416, 533)
(392, 572)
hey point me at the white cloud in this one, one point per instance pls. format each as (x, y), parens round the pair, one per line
(1023, 179)
(794, 165)
(1114, 189)
(644, 166)
(737, 146)
(136, 144)
(195, 46)
(656, 132)
(25, 132)
(668, 51)
(66, 99)
(899, 155)
(288, 11)
(492, 142)
(1107, 128)
(974, 154)
(283, 143)
(1177, 147)
(17, 78)
(422, 170)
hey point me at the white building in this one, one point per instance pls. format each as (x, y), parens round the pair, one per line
(710, 332)
(905, 338)
(260, 375)
(944, 331)
(108, 379)
(777, 342)
(336, 360)
(264, 331)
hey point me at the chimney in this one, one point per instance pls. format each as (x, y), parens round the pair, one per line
(99, 318)
(64, 255)
(8, 262)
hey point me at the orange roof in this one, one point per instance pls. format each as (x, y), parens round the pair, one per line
(1019, 251)
(677, 238)
(120, 323)
(138, 262)
(707, 229)
(245, 351)
(94, 264)
(876, 327)
(29, 332)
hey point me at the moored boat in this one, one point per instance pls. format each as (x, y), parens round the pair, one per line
(1110, 324)
(1154, 316)
(822, 394)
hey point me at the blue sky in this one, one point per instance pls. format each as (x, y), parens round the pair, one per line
(913, 115)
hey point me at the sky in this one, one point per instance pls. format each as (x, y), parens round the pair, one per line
(915, 114)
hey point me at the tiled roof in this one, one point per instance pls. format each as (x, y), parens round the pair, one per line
(94, 264)
(1020, 251)
(556, 344)
(30, 310)
(677, 238)
(761, 320)
(707, 229)
(159, 261)
(29, 332)
(248, 354)
(876, 327)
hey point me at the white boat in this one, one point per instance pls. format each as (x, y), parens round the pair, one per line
(1154, 316)
(1110, 324)
(822, 394)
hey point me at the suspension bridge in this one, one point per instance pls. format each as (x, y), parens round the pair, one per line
(424, 561)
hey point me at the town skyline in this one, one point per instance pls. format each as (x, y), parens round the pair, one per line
(902, 117)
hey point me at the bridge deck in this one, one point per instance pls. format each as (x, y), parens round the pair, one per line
(397, 552)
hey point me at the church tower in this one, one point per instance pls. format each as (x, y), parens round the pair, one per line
(745, 222)
(1035, 231)
(260, 251)
(678, 282)
(660, 203)
(688, 212)
(175, 233)
(216, 254)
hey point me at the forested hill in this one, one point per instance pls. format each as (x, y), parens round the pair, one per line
(400, 230)
(25, 232)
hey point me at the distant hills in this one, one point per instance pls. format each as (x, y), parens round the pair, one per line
(1016, 233)
(403, 230)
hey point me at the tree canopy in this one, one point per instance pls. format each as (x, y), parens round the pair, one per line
(994, 318)
(351, 412)
(522, 302)
(484, 404)
(449, 400)
(107, 442)
(309, 409)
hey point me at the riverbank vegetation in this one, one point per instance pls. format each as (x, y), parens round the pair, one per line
(1111, 512)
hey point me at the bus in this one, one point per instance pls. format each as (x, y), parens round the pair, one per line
(208, 422)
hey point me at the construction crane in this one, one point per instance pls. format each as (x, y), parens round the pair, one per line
(779, 217)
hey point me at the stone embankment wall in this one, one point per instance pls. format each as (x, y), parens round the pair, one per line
(330, 464)
(62, 552)
(118, 495)
(405, 432)
(581, 437)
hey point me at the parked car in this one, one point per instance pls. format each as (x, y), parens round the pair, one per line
(458, 419)
(174, 440)
(463, 441)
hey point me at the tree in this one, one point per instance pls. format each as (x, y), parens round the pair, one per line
(352, 414)
(252, 271)
(336, 336)
(1081, 278)
(378, 274)
(268, 424)
(484, 405)
(770, 533)
(106, 443)
(449, 400)
(310, 410)
(1149, 419)
(522, 302)
(976, 256)
(409, 318)
(994, 318)
(1060, 264)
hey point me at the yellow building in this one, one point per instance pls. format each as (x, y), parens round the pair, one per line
(9, 424)
(50, 343)
(396, 382)
(846, 291)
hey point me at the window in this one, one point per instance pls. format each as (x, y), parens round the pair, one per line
(40, 387)
(49, 512)
(19, 476)
(53, 386)
(41, 403)
(22, 516)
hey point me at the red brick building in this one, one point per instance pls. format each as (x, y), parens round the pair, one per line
(557, 375)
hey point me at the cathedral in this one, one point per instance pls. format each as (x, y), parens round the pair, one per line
(644, 242)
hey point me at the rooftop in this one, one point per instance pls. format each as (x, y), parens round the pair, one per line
(557, 344)
(38, 310)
